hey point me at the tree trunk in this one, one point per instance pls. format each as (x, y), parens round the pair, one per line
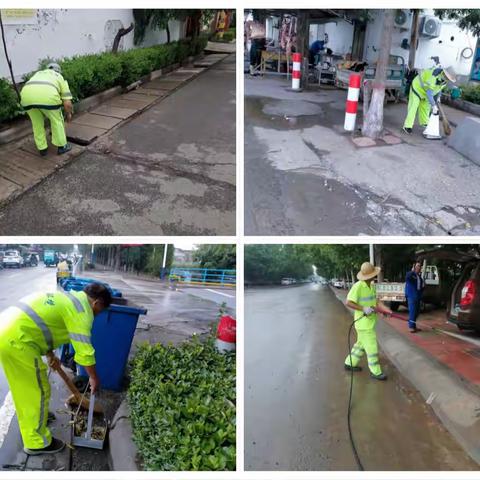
(167, 28)
(118, 249)
(9, 62)
(378, 253)
(373, 125)
(414, 39)
(302, 32)
(121, 33)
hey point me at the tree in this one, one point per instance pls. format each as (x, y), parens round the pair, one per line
(373, 118)
(467, 19)
(216, 256)
(121, 33)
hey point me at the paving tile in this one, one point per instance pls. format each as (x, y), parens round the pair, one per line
(95, 120)
(364, 142)
(164, 84)
(14, 172)
(7, 188)
(124, 103)
(32, 162)
(115, 112)
(83, 134)
(139, 97)
(157, 92)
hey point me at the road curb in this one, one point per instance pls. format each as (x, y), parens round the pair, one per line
(455, 402)
(122, 452)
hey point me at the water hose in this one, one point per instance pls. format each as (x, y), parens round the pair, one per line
(349, 412)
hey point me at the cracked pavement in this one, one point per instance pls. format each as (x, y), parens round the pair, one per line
(169, 171)
(304, 175)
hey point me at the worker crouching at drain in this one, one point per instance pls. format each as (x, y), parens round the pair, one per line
(424, 93)
(36, 326)
(43, 96)
(363, 299)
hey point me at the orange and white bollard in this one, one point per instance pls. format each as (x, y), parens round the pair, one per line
(352, 102)
(296, 71)
(226, 334)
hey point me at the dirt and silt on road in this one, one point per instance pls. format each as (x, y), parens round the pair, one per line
(296, 394)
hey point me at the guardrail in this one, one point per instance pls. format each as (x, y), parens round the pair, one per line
(203, 276)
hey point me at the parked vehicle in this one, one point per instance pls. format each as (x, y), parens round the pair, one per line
(339, 283)
(438, 285)
(13, 259)
(464, 307)
(30, 259)
(287, 281)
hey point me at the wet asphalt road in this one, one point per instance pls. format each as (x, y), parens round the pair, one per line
(296, 394)
(169, 171)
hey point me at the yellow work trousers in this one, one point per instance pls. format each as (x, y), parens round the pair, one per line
(27, 378)
(57, 126)
(366, 343)
(415, 104)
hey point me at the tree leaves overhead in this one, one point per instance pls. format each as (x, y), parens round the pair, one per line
(467, 19)
(268, 264)
(216, 256)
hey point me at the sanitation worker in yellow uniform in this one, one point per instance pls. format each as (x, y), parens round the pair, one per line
(362, 298)
(424, 92)
(43, 96)
(35, 326)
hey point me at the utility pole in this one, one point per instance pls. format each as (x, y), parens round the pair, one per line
(414, 39)
(163, 270)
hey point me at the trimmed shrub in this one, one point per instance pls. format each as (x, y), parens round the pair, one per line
(182, 404)
(471, 93)
(91, 74)
(9, 107)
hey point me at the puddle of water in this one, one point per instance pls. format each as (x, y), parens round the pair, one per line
(290, 114)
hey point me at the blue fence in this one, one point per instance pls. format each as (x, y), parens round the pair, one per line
(203, 276)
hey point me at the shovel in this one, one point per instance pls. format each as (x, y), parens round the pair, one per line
(76, 397)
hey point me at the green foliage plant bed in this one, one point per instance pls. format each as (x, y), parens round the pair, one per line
(88, 75)
(182, 402)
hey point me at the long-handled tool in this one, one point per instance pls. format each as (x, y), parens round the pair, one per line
(445, 123)
(76, 397)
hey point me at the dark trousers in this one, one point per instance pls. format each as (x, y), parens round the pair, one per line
(413, 311)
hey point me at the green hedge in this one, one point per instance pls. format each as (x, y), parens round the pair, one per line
(471, 93)
(91, 74)
(182, 404)
(9, 107)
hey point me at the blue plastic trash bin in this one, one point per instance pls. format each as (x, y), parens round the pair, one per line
(112, 336)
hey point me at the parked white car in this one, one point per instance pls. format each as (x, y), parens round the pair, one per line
(12, 259)
(288, 281)
(339, 284)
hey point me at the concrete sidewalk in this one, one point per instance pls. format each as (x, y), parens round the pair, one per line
(443, 368)
(305, 175)
(21, 167)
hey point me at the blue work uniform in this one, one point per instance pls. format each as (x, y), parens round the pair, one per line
(414, 285)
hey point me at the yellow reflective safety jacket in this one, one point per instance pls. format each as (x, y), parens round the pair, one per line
(47, 89)
(365, 296)
(49, 320)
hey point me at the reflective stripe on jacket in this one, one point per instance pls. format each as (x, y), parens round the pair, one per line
(365, 296)
(49, 320)
(427, 81)
(47, 89)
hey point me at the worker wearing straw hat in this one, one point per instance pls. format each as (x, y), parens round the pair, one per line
(362, 298)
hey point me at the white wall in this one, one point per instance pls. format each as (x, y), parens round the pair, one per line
(340, 35)
(68, 32)
(448, 50)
